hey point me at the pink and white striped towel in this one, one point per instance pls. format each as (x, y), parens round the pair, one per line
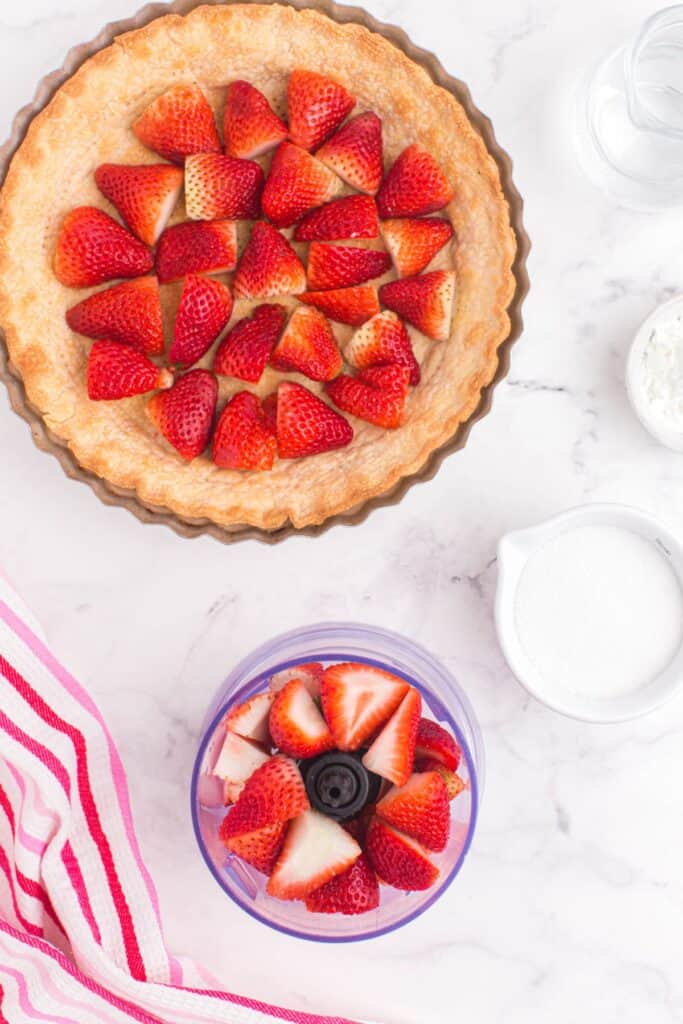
(80, 934)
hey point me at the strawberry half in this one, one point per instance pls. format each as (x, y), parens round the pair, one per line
(260, 848)
(222, 187)
(454, 784)
(119, 371)
(315, 850)
(196, 247)
(129, 312)
(306, 425)
(413, 185)
(296, 183)
(357, 700)
(420, 809)
(415, 241)
(268, 266)
(339, 266)
(92, 247)
(348, 217)
(346, 305)
(433, 741)
(238, 759)
(250, 719)
(246, 348)
(204, 310)
(250, 127)
(178, 123)
(399, 860)
(309, 673)
(381, 341)
(145, 196)
(355, 153)
(355, 891)
(425, 301)
(243, 439)
(275, 792)
(308, 346)
(296, 725)
(184, 414)
(393, 752)
(377, 395)
(316, 105)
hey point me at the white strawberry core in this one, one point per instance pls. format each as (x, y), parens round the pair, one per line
(317, 848)
(238, 759)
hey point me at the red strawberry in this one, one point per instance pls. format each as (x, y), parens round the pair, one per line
(425, 301)
(270, 411)
(315, 106)
(414, 185)
(129, 312)
(296, 182)
(184, 414)
(420, 809)
(178, 123)
(315, 850)
(381, 341)
(355, 153)
(355, 891)
(119, 371)
(243, 439)
(268, 266)
(377, 395)
(414, 242)
(435, 742)
(245, 349)
(454, 784)
(238, 759)
(348, 217)
(357, 699)
(296, 725)
(196, 247)
(393, 752)
(346, 305)
(250, 128)
(308, 346)
(338, 266)
(222, 187)
(250, 719)
(309, 673)
(204, 310)
(306, 425)
(399, 860)
(260, 848)
(275, 792)
(92, 247)
(145, 196)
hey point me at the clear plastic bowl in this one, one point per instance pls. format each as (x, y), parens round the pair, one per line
(443, 700)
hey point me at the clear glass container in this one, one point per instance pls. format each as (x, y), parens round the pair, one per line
(443, 700)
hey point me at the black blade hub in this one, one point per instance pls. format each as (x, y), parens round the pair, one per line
(338, 784)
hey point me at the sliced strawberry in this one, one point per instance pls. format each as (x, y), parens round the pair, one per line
(415, 241)
(204, 310)
(348, 217)
(355, 891)
(119, 371)
(92, 247)
(129, 312)
(296, 725)
(316, 105)
(243, 439)
(425, 301)
(260, 848)
(184, 414)
(346, 305)
(315, 850)
(250, 719)
(393, 752)
(250, 127)
(196, 247)
(377, 395)
(340, 266)
(178, 123)
(399, 860)
(232, 791)
(270, 411)
(420, 809)
(306, 425)
(357, 700)
(355, 153)
(268, 266)
(381, 341)
(308, 346)
(413, 185)
(275, 792)
(296, 182)
(245, 349)
(435, 742)
(309, 673)
(222, 187)
(238, 759)
(454, 783)
(145, 195)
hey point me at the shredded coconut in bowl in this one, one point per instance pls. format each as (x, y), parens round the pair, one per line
(661, 371)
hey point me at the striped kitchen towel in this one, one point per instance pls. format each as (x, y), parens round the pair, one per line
(80, 933)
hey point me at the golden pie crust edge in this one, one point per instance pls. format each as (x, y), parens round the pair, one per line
(87, 122)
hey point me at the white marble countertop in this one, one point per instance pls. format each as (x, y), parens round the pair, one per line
(570, 906)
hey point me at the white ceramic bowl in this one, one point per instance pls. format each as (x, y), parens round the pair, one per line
(658, 428)
(514, 549)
